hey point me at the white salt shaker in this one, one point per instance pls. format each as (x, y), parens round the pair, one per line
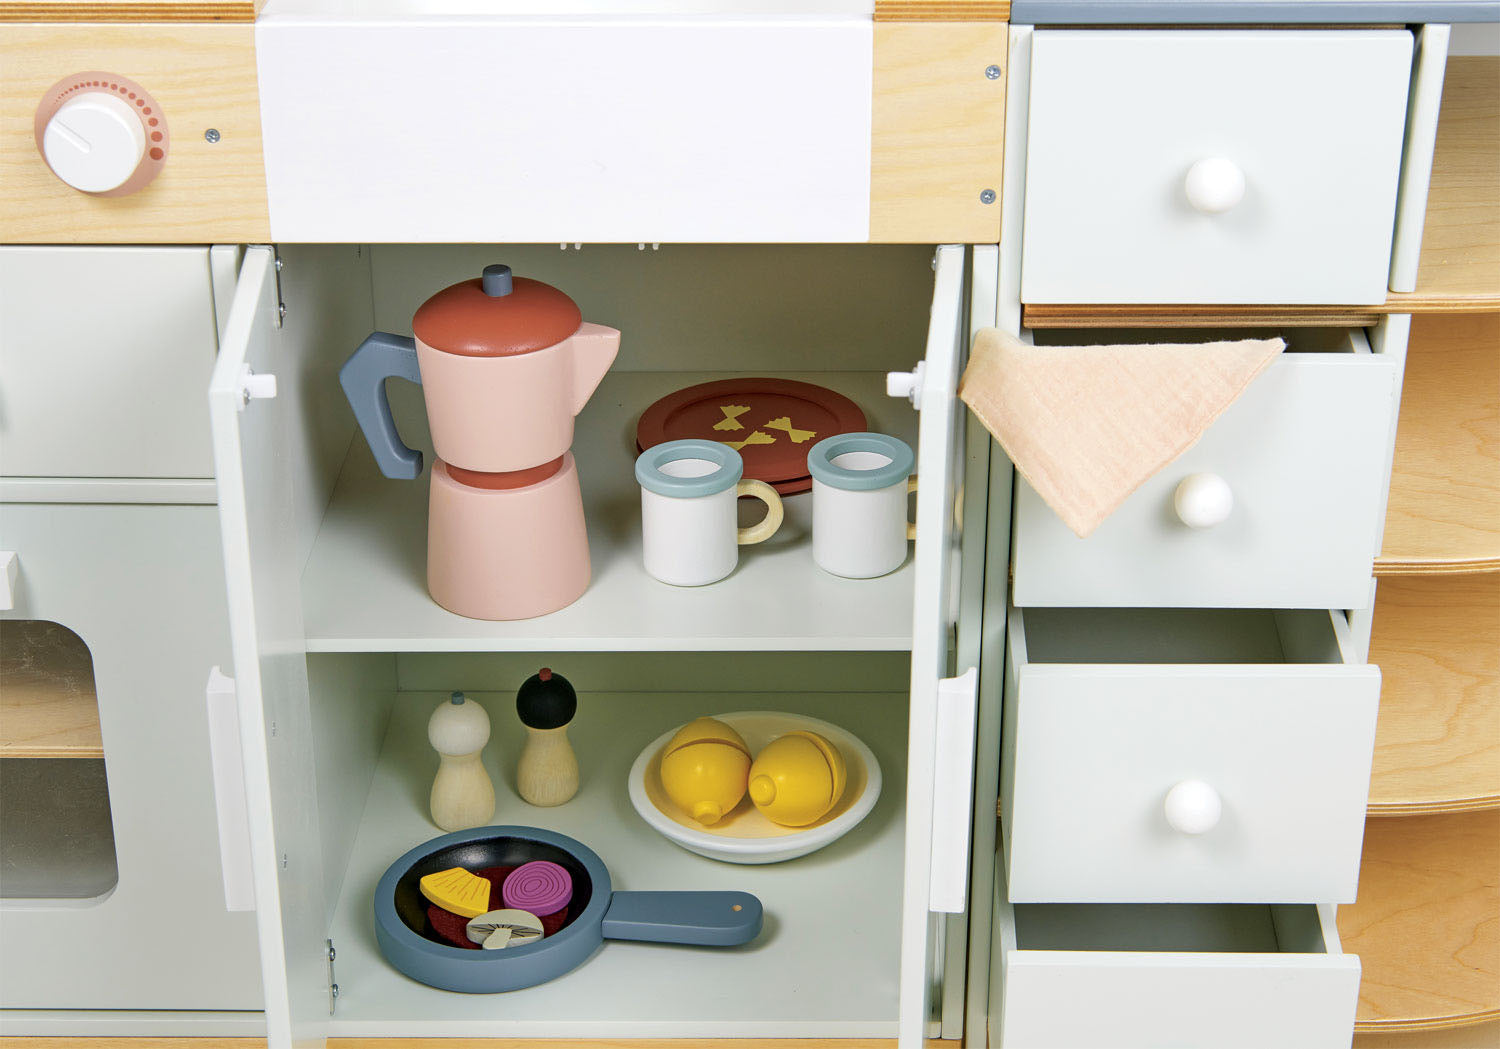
(860, 485)
(689, 527)
(462, 794)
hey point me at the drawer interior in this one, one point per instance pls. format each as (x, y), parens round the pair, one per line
(1298, 340)
(1183, 635)
(1191, 927)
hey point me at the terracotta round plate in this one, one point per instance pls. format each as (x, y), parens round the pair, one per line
(778, 421)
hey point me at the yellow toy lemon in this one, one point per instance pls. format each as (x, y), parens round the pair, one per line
(797, 779)
(705, 768)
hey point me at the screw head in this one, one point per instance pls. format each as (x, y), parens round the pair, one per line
(987, 196)
(211, 135)
(992, 72)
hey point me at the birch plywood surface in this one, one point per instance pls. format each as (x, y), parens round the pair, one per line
(937, 132)
(1444, 510)
(1460, 262)
(203, 76)
(1437, 741)
(1426, 925)
(47, 704)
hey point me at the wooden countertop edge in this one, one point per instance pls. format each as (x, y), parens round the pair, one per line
(247, 10)
(1472, 566)
(1395, 810)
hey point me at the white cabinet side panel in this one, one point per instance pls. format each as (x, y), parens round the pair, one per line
(592, 130)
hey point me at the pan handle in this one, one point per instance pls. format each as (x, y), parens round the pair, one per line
(709, 919)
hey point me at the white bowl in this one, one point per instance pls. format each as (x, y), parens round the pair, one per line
(745, 835)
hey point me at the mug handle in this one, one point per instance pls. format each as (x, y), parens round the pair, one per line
(766, 527)
(911, 486)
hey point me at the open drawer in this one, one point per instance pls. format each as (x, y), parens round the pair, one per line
(1184, 756)
(1304, 453)
(1186, 976)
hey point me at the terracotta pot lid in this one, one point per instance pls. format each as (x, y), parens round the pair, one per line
(496, 315)
(772, 423)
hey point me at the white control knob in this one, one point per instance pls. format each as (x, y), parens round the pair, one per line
(1214, 184)
(1193, 807)
(95, 141)
(1203, 500)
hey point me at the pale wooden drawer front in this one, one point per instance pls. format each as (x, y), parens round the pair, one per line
(105, 361)
(1173, 978)
(1260, 706)
(1303, 452)
(1313, 119)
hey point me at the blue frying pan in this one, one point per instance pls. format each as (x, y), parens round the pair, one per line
(596, 913)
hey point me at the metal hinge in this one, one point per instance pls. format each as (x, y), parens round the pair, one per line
(280, 300)
(333, 986)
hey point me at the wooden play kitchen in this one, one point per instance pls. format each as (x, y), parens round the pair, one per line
(1184, 781)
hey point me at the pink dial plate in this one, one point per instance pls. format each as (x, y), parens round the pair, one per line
(153, 120)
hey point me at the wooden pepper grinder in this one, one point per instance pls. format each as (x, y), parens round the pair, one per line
(462, 794)
(548, 771)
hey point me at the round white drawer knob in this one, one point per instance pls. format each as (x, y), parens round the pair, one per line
(94, 142)
(1214, 184)
(1203, 500)
(1193, 807)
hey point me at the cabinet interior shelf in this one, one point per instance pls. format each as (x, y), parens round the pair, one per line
(1444, 509)
(825, 964)
(1426, 925)
(364, 586)
(1460, 265)
(1437, 743)
(48, 708)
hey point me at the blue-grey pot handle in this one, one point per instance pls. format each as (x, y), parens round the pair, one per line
(708, 919)
(380, 357)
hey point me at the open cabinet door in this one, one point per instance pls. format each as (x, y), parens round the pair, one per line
(940, 760)
(251, 460)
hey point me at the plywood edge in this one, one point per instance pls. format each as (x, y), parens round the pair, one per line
(942, 10)
(1153, 315)
(128, 11)
(1425, 302)
(1436, 1024)
(1390, 566)
(1434, 808)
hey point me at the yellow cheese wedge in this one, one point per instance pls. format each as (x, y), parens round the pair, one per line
(458, 891)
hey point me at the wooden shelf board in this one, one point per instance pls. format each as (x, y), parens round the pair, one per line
(823, 967)
(48, 708)
(364, 587)
(1437, 743)
(1426, 925)
(1460, 264)
(1444, 510)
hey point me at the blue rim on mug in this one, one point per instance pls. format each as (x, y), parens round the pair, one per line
(820, 461)
(729, 468)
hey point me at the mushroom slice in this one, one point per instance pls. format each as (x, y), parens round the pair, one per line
(504, 928)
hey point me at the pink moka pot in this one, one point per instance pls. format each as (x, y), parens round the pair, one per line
(505, 363)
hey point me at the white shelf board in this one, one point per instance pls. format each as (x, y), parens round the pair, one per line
(364, 587)
(824, 965)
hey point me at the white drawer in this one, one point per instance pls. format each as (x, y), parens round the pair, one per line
(1312, 120)
(1303, 451)
(1171, 977)
(1107, 711)
(105, 355)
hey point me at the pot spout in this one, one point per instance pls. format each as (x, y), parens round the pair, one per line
(594, 348)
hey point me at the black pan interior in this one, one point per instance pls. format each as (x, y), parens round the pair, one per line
(411, 905)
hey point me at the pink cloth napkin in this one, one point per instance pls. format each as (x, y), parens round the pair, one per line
(1087, 425)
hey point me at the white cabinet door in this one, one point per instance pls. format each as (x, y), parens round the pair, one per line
(940, 760)
(265, 620)
(139, 586)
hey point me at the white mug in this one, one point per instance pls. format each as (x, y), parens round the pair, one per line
(860, 485)
(689, 530)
